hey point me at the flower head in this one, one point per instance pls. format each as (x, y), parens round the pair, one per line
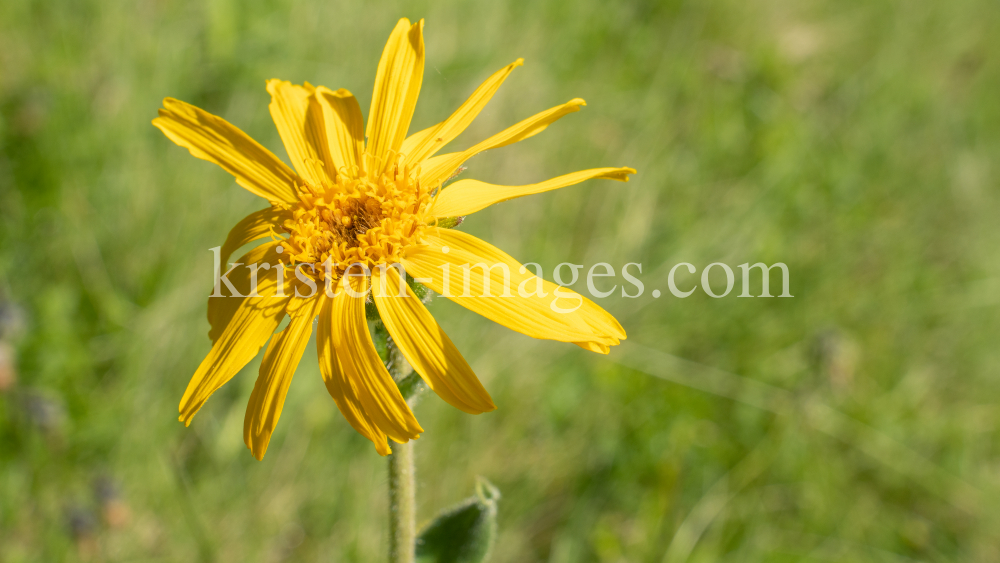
(357, 202)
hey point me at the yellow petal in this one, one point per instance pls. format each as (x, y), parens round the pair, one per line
(538, 317)
(397, 86)
(344, 126)
(301, 132)
(419, 146)
(222, 309)
(214, 139)
(600, 320)
(353, 345)
(465, 197)
(254, 226)
(436, 170)
(276, 370)
(588, 313)
(426, 347)
(253, 322)
(594, 347)
(597, 318)
(344, 391)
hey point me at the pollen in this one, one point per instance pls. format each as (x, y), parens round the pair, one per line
(357, 217)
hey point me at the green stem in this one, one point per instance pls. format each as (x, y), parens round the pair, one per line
(402, 487)
(402, 504)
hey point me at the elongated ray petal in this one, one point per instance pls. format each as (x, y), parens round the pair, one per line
(301, 132)
(345, 392)
(222, 309)
(423, 144)
(253, 322)
(254, 226)
(397, 86)
(214, 139)
(588, 312)
(436, 170)
(344, 126)
(465, 197)
(425, 346)
(276, 371)
(354, 348)
(472, 263)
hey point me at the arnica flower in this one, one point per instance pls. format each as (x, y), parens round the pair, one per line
(371, 196)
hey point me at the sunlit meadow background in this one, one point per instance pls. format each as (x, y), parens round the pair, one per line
(857, 141)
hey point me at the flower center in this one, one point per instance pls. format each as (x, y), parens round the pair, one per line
(357, 218)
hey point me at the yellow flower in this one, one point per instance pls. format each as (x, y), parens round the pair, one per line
(375, 203)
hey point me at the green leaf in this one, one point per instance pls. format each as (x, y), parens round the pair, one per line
(464, 533)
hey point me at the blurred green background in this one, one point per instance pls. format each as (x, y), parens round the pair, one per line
(855, 141)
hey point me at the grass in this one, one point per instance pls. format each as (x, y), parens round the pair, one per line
(854, 141)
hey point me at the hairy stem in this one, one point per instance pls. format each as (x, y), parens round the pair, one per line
(402, 486)
(402, 504)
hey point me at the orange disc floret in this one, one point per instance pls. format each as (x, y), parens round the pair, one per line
(357, 218)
